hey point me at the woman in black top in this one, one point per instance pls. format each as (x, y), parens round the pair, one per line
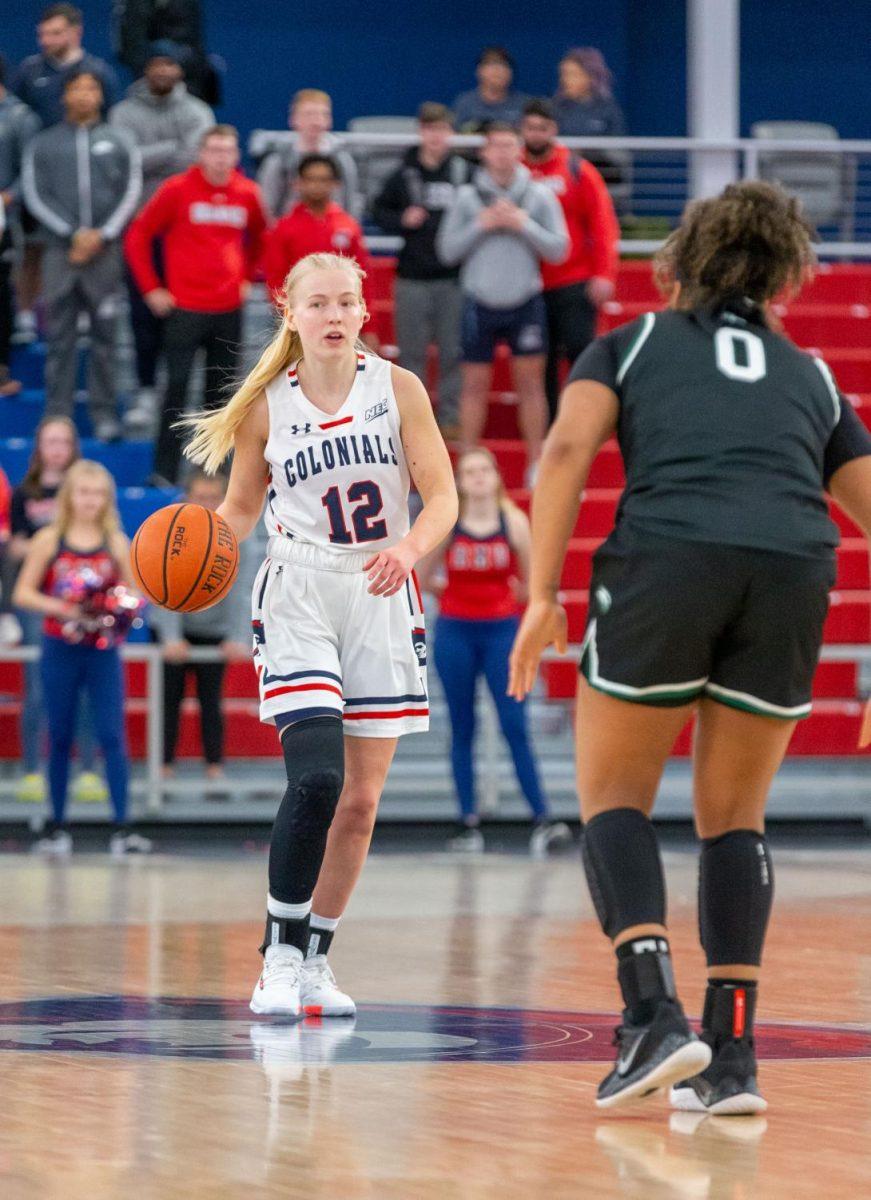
(708, 597)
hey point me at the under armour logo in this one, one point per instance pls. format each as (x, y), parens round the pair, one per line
(296, 430)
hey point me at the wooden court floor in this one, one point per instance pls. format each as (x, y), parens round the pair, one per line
(131, 1067)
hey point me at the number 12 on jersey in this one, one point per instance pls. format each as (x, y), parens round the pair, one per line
(366, 495)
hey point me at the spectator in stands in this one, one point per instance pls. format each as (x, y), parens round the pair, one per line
(40, 80)
(34, 506)
(575, 289)
(212, 221)
(10, 627)
(226, 626)
(316, 225)
(584, 105)
(427, 292)
(493, 98)
(139, 23)
(167, 124)
(311, 118)
(81, 181)
(500, 228)
(479, 575)
(86, 531)
(18, 124)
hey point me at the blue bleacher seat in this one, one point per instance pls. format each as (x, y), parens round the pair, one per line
(137, 503)
(129, 462)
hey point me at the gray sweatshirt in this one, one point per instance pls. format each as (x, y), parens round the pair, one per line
(500, 268)
(18, 124)
(277, 173)
(166, 129)
(229, 619)
(78, 176)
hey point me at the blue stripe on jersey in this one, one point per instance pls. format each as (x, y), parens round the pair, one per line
(267, 678)
(387, 699)
(285, 719)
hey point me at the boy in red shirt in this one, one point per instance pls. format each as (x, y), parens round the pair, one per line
(316, 225)
(211, 219)
(575, 289)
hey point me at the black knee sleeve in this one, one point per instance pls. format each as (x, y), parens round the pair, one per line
(624, 870)
(736, 888)
(314, 754)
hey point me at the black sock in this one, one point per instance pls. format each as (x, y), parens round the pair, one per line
(646, 976)
(730, 1009)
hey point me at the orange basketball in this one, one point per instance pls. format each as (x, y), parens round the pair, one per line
(185, 557)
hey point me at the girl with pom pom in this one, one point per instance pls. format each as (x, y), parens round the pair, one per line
(77, 574)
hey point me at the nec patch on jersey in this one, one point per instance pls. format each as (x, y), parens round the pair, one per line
(376, 410)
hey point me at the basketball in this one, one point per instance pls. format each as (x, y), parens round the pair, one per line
(185, 557)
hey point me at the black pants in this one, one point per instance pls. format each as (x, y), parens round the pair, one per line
(147, 328)
(6, 306)
(183, 334)
(209, 680)
(571, 326)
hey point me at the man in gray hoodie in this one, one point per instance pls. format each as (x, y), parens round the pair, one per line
(18, 124)
(499, 228)
(81, 180)
(166, 123)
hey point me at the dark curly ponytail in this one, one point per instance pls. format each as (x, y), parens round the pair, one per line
(751, 240)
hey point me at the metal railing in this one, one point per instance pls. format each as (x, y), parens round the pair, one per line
(493, 760)
(651, 179)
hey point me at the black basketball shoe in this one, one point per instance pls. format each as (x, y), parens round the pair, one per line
(652, 1056)
(727, 1088)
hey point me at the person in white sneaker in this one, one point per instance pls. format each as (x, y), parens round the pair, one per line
(328, 437)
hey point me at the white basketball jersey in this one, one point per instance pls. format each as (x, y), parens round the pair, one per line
(339, 481)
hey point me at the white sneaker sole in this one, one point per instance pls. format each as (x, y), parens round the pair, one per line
(745, 1104)
(274, 1010)
(689, 1060)
(330, 1010)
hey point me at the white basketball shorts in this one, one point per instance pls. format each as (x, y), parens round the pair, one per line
(324, 646)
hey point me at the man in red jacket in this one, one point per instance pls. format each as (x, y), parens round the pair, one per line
(575, 289)
(212, 221)
(315, 225)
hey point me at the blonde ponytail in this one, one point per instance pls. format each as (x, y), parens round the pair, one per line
(214, 432)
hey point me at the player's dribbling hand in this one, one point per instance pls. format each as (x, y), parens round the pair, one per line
(389, 570)
(544, 623)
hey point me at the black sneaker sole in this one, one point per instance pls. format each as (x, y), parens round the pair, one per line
(689, 1059)
(684, 1098)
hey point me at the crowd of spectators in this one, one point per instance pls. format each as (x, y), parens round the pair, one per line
(135, 207)
(103, 195)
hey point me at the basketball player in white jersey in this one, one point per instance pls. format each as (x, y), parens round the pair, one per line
(329, 436)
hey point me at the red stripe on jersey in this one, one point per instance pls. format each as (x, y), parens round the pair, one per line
(739, 1012)
(333, 424)
(380, 716)
(417, 590)
(301, 687)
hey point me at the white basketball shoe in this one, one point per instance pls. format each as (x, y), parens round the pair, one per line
(319, 993)
(276, 992)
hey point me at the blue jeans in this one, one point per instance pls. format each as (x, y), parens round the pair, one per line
(67, 671)
(32, 728)
(463, 651)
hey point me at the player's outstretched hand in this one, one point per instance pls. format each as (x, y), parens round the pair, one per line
(389, 570)
(544, 623)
